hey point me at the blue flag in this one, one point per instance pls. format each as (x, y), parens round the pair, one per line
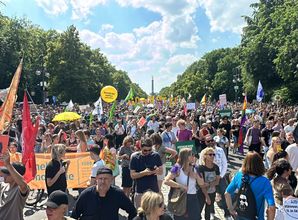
(260, 92)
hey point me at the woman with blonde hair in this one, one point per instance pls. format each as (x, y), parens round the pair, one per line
(124, 154)
(82, 145)
(183, 175)
(210, 172)
(273, 149)
(152, 207)
(56, 169)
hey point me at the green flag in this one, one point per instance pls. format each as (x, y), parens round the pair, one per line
(130, 95)
(111, 115)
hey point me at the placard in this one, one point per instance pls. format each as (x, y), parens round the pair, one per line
(290, 208)
(191, 106)
(223, 99)
(185, 144)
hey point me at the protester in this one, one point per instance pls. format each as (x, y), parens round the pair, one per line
(168, 136)
(210, 172)
(253, 168)
(124, 155)
(162, 151)
(13, 189)
(279, 174)
(109, 154)
(14, 155)
(183, 134)
(57, 205)
(253, 137)
(274, 148)
(82, 145)
(103, 201)
(144, 168)
(98, 163)
(56, 169)
(184, 176)
(152, 207)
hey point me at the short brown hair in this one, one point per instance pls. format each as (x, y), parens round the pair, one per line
(253, 164)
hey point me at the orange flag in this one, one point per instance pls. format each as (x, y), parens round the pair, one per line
(7, 107)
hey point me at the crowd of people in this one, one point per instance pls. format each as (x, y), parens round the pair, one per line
(142, 150)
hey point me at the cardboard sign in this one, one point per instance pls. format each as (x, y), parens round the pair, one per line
(223, 99)
(290, 208)
(142, 122)
(78, 173)
(191, 106)
(185, 144)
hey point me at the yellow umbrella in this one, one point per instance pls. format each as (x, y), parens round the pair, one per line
(67, 116)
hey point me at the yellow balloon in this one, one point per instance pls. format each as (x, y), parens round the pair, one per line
(109, 94)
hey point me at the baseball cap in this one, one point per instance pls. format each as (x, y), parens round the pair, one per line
(20, 168)
(95, 149)
(104, 170)
(56, 199)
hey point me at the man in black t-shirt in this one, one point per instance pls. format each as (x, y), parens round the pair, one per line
(266, 133)
(144, 168)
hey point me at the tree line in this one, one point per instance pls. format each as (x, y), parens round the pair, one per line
(268, 52)
(75, 70)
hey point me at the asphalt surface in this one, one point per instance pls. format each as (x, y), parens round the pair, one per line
(37, 212)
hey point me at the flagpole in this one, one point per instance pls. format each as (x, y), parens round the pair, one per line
(31, 101)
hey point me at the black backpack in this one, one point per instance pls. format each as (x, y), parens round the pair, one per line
(246, 205)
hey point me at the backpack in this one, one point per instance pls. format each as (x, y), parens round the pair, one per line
(246, 205)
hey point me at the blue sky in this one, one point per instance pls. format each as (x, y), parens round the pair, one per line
(146, 38)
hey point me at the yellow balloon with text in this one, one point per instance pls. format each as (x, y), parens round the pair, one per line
(109, 94)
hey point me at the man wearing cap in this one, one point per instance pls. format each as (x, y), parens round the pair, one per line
(13, 189)
(57, 205)
(103, 201)
(98, 163)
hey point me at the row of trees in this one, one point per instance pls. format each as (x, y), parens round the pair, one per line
(75, 70)
(268, 52)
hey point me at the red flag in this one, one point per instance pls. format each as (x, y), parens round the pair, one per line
(28, 141)
(185, 110)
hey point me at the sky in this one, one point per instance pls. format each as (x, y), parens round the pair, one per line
(145, 38)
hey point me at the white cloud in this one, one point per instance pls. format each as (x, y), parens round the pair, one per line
(53, 7)
(106, 27)
(82, 8)
(225, 15)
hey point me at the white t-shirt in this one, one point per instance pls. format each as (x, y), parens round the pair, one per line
(153, 125)
(98, 164)
(182, 179)
(292, 151)
(289, 128)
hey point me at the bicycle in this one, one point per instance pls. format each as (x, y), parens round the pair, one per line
(35, 196)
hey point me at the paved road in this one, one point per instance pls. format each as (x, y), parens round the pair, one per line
(38, 212)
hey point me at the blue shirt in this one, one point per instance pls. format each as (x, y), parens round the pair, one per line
(261, 188)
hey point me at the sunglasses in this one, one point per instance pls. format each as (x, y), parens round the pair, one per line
(160, 205)
(211, 155)
(209, 141)
(145, 150)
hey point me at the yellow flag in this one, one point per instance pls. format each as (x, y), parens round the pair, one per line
(204, 100)
(8, 104)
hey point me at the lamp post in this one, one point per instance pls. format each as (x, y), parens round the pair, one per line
(236, 80)
(43, 72)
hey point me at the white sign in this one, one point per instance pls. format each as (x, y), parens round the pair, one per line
(223, 99)
(136, 109)
(191, 106)
(290, 209)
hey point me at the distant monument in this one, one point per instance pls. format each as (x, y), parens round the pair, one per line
(152, 87)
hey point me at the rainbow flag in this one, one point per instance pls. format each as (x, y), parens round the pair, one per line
(243, 120)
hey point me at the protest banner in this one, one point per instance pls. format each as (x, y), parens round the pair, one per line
(78, 173)
(142, 122)
(227, 113)
(185, 144)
